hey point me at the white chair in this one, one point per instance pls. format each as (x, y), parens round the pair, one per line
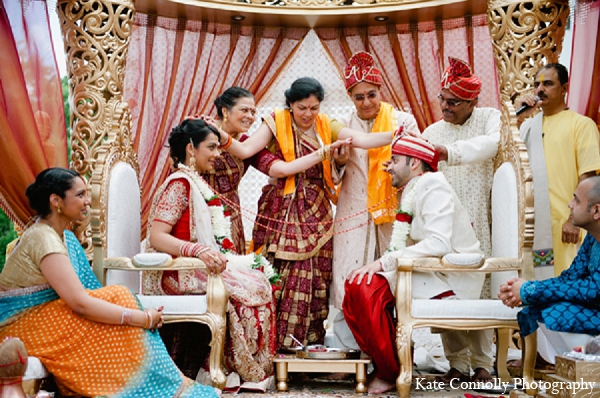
(512, 212)
(116, 227)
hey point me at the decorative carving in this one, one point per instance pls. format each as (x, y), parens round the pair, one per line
(525, 35)
(512, 149)
(96, 35)
(324, 3)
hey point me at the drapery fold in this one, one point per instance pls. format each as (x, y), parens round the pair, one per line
(412, 59)
(176, 68)
(32, 119)
(584, 79)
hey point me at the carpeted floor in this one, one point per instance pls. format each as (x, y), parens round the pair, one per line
(321, 388)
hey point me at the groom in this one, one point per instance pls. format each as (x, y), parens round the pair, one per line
(431, 218)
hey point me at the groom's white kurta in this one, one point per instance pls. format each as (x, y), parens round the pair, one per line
(440, 225)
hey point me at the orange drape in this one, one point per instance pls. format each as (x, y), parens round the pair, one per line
(412, 58)
(32, 120)
(176, 68)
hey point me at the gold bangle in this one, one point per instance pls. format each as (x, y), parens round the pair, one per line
(126, 316)
(149, 319)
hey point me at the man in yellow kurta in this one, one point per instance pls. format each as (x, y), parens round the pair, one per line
(563, 150)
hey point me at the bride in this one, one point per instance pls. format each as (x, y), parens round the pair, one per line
(188, 219)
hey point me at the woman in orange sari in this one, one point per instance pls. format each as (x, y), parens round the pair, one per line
(96, 341)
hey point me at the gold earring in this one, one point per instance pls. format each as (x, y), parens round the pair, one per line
(192, 162)
(58, 210)
(225, 118)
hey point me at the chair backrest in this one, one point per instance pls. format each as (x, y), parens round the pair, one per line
(123, 212)
(116, 209)
(505, 221)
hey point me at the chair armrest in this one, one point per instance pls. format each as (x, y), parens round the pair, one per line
(436, 264)
(123, 263)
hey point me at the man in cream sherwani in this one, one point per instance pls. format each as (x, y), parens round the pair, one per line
(364, 185)
(467, 139)
(439, 225)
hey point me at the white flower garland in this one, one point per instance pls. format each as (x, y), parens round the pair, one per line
(401, 229)
(221, 225)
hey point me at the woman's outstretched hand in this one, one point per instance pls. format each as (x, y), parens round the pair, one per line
(341, 153)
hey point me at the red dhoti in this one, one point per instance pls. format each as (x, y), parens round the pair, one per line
(369, 310)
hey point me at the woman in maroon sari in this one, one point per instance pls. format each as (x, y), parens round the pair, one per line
(236, 112)
(294, 225)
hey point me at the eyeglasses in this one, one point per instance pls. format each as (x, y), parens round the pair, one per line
(361, 97)
(452, 103)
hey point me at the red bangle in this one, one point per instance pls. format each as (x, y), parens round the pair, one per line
(227, 144)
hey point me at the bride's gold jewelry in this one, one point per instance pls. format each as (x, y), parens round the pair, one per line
(192, 160)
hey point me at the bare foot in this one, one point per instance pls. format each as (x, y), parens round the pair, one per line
(482, 375)
(379, 386)
(450, 375)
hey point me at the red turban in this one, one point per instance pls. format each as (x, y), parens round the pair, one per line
(416, 147)
(361, 68)
(460, 81)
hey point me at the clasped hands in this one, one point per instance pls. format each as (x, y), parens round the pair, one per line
(510, 292)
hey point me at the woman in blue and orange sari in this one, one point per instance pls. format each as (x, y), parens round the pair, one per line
(294, 225)
(96, 341)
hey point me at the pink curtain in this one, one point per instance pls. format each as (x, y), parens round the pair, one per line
(32, 119)
(412, 58)
(584, 81)
(177, 68)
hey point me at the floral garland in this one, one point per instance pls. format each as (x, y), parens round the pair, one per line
(404, 216)
(220, 219)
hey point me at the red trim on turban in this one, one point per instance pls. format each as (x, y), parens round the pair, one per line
(460, 81)
(361, 68)
(415, 147)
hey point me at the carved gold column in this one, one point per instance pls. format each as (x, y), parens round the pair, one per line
(96, 36)
(525, 35)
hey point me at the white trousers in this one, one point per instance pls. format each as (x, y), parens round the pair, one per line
(469, 349)
(551, 343)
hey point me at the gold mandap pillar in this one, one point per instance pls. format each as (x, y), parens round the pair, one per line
(525, 35)
(96, 35)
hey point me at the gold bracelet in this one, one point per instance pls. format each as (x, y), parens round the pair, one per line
(321, 154)
(126, 316)
(326, 152)
(148, 319)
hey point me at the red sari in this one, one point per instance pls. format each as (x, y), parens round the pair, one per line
(250, 342)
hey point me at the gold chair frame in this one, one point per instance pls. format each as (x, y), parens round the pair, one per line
(110, 153)
(511, 150)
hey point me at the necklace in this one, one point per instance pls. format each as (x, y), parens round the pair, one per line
(219, 215)
(220, 219)
(404, 216)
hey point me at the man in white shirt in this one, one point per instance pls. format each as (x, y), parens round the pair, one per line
(433, 219)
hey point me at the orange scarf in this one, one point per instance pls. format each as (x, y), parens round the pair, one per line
(285, 137)
(379, 185)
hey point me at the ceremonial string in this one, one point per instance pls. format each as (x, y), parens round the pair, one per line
(300, 224)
